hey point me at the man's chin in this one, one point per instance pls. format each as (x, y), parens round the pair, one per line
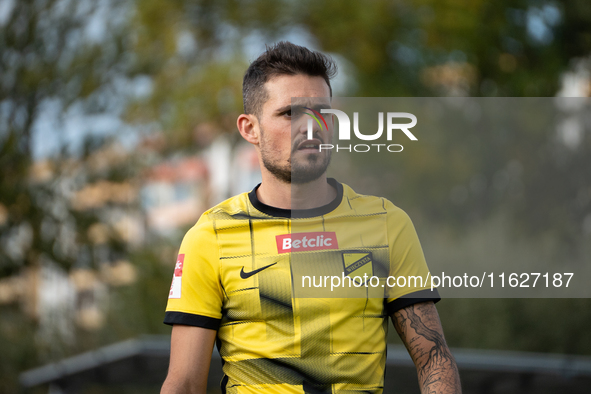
(303, 179)
(306, 175)
(308, 169)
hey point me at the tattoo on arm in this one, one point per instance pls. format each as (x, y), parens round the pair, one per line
(419, 328)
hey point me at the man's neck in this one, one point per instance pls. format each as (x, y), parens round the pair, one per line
(279, 194)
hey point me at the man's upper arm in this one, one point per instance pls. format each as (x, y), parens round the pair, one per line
(413, 310)
(408, 267)
(196, 294)
(194, 310)
(419, 328)
(190, 356)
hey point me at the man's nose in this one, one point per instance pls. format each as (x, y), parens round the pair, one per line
(306, 125)
(311, 128)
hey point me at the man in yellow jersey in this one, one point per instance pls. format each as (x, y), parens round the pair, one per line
(240, 277)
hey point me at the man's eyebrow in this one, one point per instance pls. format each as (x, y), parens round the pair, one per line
(283, 109)
(318, 107)
(288, 107)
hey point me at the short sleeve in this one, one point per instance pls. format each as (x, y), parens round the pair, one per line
(196, 296)
(409, 281)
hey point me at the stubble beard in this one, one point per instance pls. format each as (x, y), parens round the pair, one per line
(307, 169)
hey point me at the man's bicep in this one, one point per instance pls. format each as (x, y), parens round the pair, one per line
(190, 356)
(420, 329)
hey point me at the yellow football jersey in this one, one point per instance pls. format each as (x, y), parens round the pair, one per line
(264, 278)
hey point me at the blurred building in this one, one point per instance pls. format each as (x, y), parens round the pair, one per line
(176, 191)
(164, 199)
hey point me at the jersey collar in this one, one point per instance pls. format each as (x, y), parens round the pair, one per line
(298, 213)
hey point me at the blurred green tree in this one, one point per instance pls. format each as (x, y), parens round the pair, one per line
(52, 64)
(59, 59)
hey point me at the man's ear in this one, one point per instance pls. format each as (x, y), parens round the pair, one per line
(248, 125)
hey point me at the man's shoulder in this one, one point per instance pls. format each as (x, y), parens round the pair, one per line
(234, 208)
(234, 205)
(368, 204)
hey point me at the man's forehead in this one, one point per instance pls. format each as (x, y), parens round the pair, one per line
(282, 88)
(311, 102)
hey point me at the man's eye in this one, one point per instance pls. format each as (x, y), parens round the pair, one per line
(296, 111)
(293, 112)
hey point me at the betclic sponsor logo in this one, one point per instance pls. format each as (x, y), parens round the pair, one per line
(303, 242)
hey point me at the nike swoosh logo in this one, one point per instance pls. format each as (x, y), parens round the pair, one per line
(246, 275)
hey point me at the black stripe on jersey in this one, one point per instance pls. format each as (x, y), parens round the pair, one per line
(189, 319)
(237, 256)
(411, 299)
(252, 253)
(338, 353)
(298, 213)
(245, 289)
(235, 323)
(217, 241)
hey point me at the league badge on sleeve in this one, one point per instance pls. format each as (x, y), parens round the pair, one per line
(175, 288)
